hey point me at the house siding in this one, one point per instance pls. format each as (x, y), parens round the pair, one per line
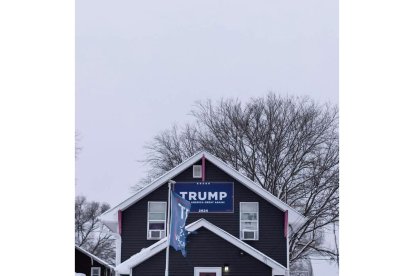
(271, 220)
(83, 264)
(204, 249)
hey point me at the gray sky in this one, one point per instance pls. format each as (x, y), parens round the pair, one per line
(141, 65)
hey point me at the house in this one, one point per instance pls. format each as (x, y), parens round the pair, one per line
(237, 227)
(90, 265)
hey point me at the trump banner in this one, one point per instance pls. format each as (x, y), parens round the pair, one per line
(207, 197)
(179, 213)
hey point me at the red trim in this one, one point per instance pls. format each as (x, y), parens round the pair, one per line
(203, 168)
(286, 223)
(119, 222)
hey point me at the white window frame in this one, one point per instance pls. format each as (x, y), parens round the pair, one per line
(240, 222)
(96, 267)
(201, 171)
(164, 221)
(198, 270)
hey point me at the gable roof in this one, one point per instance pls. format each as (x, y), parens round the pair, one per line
(102, 262)
(110, 217)
(146, 253)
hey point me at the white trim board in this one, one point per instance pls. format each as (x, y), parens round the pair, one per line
(110, 217)
(198, 270)
(146, 253)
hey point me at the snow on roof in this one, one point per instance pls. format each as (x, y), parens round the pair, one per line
(146, 253)
(110, 217)
(94, 257)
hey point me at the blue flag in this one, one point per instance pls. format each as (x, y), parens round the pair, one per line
(179, 213)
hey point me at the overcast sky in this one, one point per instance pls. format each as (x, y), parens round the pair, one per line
(141, 65)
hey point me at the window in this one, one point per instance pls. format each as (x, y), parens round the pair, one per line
(249, 220)
(95, 271)
(156, 220)
(197, 172)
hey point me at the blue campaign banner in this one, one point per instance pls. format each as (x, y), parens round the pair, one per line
(207, 197)
(179, 213)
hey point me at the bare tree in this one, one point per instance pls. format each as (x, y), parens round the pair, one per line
(90, 233)
(289, 145)
(335, 234)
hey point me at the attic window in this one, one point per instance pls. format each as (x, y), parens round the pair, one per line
(197, 171)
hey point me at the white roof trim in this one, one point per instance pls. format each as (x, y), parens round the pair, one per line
(94, 257)
(146, 253)
(110, 218)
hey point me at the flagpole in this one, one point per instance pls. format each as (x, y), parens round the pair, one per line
(168, 228)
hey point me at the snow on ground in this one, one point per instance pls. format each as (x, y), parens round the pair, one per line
(79, 274)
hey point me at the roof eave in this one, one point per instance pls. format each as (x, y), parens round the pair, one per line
(94, 257)
(110, 216)
(147, 253)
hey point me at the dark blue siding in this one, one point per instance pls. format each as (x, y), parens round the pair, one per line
(84, 263)
(204, 249)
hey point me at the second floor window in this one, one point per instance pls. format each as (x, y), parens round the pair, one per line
(156, 220)
(249, 220)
